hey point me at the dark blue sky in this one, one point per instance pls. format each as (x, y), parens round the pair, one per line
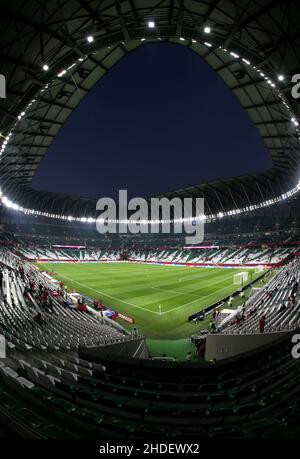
(161, 119)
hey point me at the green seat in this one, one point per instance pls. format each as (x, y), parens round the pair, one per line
(29, 418)
(56, 432)
(7, 401)
(258, 424)
(128, 425)
(85, 412)
(42, 393)
(67, 406)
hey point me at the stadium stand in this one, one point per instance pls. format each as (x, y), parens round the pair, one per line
(35, 314)
(51, 367)
(277, 302)
(68, 371)
(126, 400)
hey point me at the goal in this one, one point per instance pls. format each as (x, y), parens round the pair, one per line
(240, 278)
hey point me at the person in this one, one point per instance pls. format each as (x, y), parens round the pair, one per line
(262, 324)
(212, 326)
(82, 307)
(189, 356)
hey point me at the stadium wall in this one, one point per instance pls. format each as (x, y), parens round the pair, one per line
(135, 348)
(222, 347)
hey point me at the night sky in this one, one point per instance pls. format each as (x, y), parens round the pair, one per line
(161, 119)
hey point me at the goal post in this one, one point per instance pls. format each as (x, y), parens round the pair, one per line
(240, 278)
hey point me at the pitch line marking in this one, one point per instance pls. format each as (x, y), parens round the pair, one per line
(140, 307)
(191, 302)
(106, 294)
(187, 277)
(174, 291)
(207, 285)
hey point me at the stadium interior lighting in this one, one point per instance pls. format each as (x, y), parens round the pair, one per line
(246, 61)
(4, 143)
(151, 24)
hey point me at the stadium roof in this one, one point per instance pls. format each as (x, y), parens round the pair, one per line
(53, 53)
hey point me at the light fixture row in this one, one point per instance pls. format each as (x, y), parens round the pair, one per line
(151, 24)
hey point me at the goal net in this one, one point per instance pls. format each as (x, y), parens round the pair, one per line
(240, 278)
(259, 269)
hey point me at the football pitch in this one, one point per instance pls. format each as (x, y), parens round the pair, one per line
(159, 298)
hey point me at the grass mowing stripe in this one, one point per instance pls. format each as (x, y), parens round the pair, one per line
(106, 294)
(198, 299)
(174, 291)
(129, 290)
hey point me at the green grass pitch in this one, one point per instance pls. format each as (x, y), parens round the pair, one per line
(159, 298)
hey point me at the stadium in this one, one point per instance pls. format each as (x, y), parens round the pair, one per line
(139, 336)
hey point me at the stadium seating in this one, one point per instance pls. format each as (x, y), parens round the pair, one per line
(123, 399)
(52, 387)
(278, 301)
(211, 256)
(62, 328)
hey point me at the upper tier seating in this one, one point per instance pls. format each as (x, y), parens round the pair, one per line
(211, 256)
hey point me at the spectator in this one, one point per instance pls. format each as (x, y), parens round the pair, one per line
(262, 324)
(212, 327)
(82, 307)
